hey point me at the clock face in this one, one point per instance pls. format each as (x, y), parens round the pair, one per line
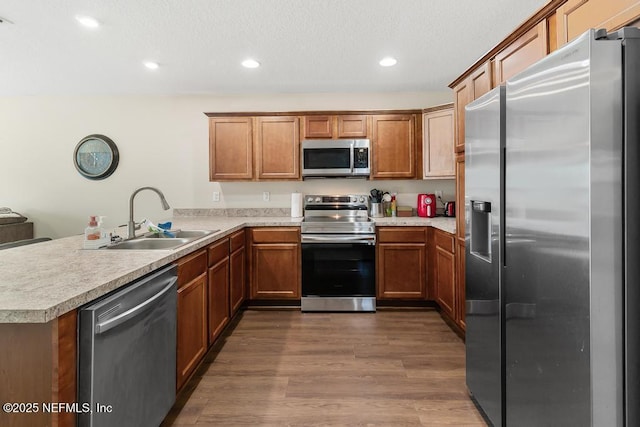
(96, 157)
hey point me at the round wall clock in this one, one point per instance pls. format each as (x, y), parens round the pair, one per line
(96, 157)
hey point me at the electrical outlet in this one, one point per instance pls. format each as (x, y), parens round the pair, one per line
(216, 196)
(265, 196)
(439, 194)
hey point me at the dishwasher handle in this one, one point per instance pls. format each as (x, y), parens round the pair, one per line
(134, 311)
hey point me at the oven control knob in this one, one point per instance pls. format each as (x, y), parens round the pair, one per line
(353, 199)
(309, 199)
(318, 199)
(361, 199)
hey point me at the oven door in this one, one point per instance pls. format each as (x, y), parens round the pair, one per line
(338, 266)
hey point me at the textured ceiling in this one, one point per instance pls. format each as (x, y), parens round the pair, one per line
(304, 46)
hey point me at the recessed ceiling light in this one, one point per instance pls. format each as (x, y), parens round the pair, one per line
(250, 63)
(151, 65)
(87, 21)
(388, 61)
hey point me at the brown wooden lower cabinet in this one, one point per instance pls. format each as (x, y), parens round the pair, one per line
(274, 264)
(218, 290)
(192, 314)
(38, 364)
(401, 263)
(237, 295)
(460, 285)
(445, 272)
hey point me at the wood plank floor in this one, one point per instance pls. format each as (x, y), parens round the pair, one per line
(286, 368)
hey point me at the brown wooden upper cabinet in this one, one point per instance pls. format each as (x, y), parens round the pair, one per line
(393, 146)
(475, 85)
(527, 49)
(254, 148)
(576, 16)
(230, 148)
(338, 126)
(438, 145)
(277, 147)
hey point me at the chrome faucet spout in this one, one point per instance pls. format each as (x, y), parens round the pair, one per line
(131, 226)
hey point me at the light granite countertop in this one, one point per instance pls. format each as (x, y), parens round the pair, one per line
(40, 282)
(442, 223)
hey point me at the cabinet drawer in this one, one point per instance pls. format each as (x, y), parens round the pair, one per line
(402, 234)
(218, 251)
(191, 266)
(275, 235)
(444, 240)
(236, 241)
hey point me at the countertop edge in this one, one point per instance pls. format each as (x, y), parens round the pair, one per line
(46, 314)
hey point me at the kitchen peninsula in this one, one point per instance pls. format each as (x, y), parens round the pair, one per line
(42, 286)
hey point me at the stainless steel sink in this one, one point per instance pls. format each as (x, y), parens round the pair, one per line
(144, 243)
(161, 242)
(186, 234)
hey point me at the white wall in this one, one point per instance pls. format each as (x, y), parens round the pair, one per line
(163, 142)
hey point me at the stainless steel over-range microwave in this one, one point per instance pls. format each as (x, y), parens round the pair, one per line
(336, 158)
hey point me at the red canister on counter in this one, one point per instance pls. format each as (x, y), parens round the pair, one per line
(426, 205)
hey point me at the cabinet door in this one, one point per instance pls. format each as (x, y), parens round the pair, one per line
(402, 271)
(527, 49)
(462, 95)
(445, 283)
(230, 149)
(393, 148)
(277, 147)
(438, 145)
(237, 279)
(576, 16)
(275, 271)
(192, 327)
(218, 298)
(477, 84)
(460, 208)
(460, 286)
(352, 126)
(318, 127)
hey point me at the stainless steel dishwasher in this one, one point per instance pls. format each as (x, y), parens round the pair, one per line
(127, 354)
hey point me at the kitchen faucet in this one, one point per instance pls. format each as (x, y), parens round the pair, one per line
(132, 225)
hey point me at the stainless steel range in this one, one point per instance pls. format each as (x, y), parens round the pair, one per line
(338, 254)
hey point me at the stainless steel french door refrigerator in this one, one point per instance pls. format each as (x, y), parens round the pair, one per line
(551, 205)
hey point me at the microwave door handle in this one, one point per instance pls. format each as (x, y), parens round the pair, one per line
(351, 157)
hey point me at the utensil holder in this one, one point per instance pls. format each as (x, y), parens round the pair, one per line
(376, 210)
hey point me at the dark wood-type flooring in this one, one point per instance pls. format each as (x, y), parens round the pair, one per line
(286, 368)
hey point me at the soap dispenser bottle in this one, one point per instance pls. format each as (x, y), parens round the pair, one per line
(92, 232)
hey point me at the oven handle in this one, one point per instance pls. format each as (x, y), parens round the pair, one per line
(339, 238)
